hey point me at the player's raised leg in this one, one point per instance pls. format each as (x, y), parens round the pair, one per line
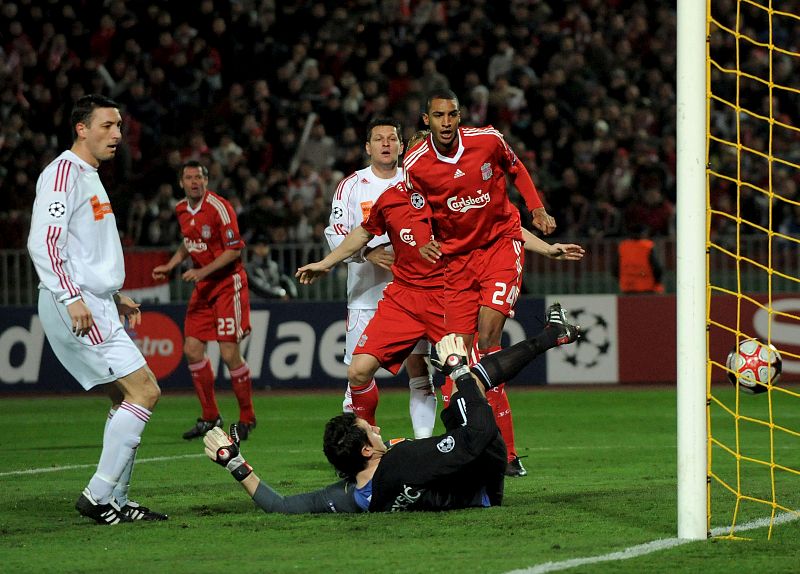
(507, 363)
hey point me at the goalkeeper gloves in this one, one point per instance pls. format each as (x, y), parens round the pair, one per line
(224, 450)
(452, 359)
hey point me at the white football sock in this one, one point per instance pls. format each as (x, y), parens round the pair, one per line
(121, 490)
(124, 483)
(120, 440)
(422, 406)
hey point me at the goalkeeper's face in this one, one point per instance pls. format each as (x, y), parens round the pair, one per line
(373, 436)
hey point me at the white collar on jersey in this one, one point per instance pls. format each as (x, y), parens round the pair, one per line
(77, 159)
(194, 210)
(455, 158)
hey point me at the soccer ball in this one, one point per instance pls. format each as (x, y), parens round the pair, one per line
(754, 365)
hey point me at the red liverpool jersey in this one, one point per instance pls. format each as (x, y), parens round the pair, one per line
(208, 230)
(391, 214)
(465, 194)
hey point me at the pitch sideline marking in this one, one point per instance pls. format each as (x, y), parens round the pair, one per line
(646, 548)
(93, 465)
(46, 469)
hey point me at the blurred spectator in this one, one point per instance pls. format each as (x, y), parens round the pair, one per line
(637, 265)
(653, 211)
(587, 85)
(263, 274)
(320, 149)
(306, 184)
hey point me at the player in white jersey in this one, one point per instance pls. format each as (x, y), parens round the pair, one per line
(369, 271)
(75, 247)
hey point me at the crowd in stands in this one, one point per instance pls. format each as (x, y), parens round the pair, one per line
(274, 95)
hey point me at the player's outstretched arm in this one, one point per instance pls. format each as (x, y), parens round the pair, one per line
(355, 240)
(562, 251)
(224, 450)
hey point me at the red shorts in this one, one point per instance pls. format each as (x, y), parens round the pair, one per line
(490, 276)
(219, 310)
(404, 316)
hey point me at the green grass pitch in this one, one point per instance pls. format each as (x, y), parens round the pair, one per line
(602, 466)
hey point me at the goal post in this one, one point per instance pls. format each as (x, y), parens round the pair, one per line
(691, 269)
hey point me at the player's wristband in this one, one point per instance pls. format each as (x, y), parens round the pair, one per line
(459, 372)
(242, 471)
(461, 375)
(70, 300)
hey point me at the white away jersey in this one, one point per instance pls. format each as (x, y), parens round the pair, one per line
(351, 205)
(73, 241)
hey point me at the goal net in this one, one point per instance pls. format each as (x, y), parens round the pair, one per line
(753, 250)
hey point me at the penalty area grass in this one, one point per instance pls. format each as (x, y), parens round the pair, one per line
(601, 463)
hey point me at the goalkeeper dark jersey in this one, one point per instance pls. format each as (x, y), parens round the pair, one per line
(462, 468)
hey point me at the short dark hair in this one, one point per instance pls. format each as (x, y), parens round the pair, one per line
(375, 122)
(85, 106)
(342, 444)
(194, 163)
(440, 94)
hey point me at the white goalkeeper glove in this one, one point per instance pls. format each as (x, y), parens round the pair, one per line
(224, 450)
(452, 359)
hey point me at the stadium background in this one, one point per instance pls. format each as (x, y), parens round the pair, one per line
(274, 98)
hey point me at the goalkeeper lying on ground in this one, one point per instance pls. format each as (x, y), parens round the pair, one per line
(462, 468)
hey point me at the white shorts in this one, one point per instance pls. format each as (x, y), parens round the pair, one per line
(357, 320)
(104, 355)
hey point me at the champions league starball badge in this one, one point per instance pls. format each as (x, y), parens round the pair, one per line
(57, 209)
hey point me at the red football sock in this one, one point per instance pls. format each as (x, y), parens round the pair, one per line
(203, 381)
(243, 389)
(365, 401)
(501, 408)
(498, 400)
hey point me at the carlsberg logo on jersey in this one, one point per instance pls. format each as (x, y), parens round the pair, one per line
(194, 246)
(407, 237)
(462, 204)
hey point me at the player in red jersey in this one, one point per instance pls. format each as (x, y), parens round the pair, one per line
(409, 310)
(412, 304)
(219, 309)
(457, 180)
